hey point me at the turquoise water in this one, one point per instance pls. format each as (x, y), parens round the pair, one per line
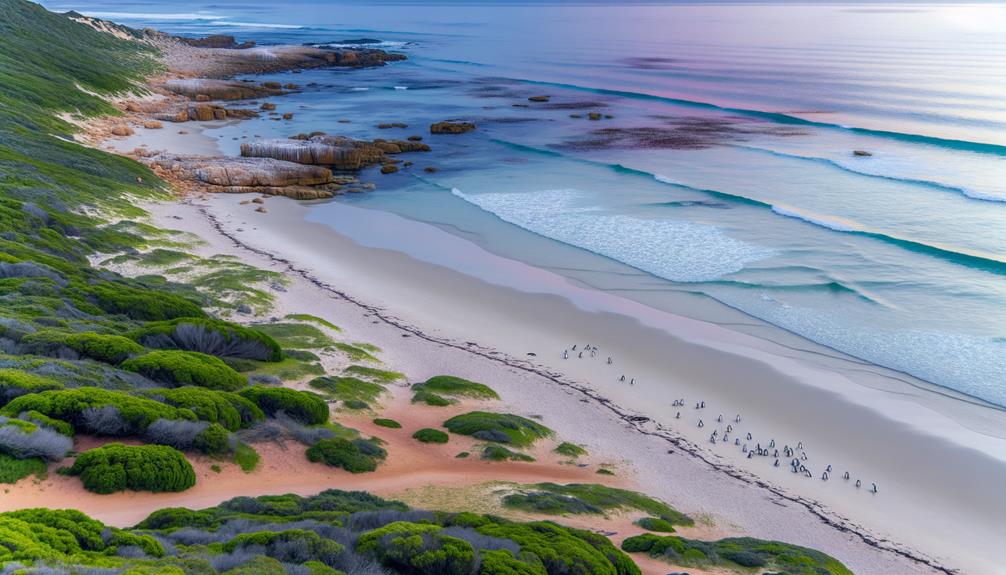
(727, 167)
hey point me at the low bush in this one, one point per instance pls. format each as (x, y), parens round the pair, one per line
(429, 435)
(303, 406)
(208, 438)
(499, 453)
(295, 335)
(111, 349)
(655, 524)
(456, 387)
(230, 410)
(498, 427)
(613, 498)
(745, 552)
(348, 388)
(563, 550)
(570, 450)
(177, 368)
(431, 399)
(209, 336)
(96, 411)
(139, 303)
(13, 469)
(116, 467)
(56, 425)
(26, 440)
(421, 549)
(389, 423)
(15, 383)
(352, 456)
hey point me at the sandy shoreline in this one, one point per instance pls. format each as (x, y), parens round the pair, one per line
(690, 483)
(438, 304)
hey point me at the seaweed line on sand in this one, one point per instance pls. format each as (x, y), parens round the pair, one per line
(637, 422)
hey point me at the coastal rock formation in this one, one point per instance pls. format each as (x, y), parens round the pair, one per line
(338, 152)
(202, 88)
(249, 175)
(451, 127)
(215, 41)
(538, 99)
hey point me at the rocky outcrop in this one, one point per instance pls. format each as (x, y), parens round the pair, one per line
(215, 41)
(538, 99)
(204, 88)
(249, 175)
(451, 127)
(338, 152)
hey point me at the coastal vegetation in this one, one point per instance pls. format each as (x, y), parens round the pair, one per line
(570, 450)
(116, 467)
(590, 498)
(355, 456)
(734, 553)
(334, 531)
(389, 423)
(448, 385)
(498, 428)
(430, 435)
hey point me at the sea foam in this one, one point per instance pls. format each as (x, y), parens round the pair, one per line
(675, 250)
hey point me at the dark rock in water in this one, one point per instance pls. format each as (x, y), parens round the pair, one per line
(388, 125)
(415, 138)
(538, 99)
(337, 151)
(430, 170)
(861, 153)
(354, 42)
(389, 169)
(594, 116)
(215, 41)
(451, 127)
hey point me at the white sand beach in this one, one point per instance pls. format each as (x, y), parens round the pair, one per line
(881, 426)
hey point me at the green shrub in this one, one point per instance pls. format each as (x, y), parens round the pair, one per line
(13, 470)
(276, 543)
(349, 455)
(75, 405)
(456, 387)
(348, 388)
(419, 549)
(355, 404)
(56, 425)
(230, 410)
(116, 467)
(357, 352)
(428, 435)
(15, 383)
(141, 304)
(389, 423)
(613, 498)
(655, 524)
(498, 427)
(493, 452)
(209, 336)
(730, 553)
(503, 562)
(303, 406)
(570, 449)
(111, 349)
(177, 368)
(564, 550)
(431, 399)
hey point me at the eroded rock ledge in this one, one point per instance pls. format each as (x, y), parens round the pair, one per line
(339, 152)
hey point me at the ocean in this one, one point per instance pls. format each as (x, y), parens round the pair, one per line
(838, 171)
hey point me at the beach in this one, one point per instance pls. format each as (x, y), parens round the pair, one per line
(745, 425)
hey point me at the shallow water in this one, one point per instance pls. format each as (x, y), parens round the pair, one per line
(726, 170)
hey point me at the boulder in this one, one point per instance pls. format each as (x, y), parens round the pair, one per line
(153, 125)
(336, 151)
(268, 106)
(538, 99)
(249, 175)
(451, 127)
(122, 130)
(211, 89)
(861, 153)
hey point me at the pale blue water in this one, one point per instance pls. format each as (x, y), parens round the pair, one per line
(727, 168)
